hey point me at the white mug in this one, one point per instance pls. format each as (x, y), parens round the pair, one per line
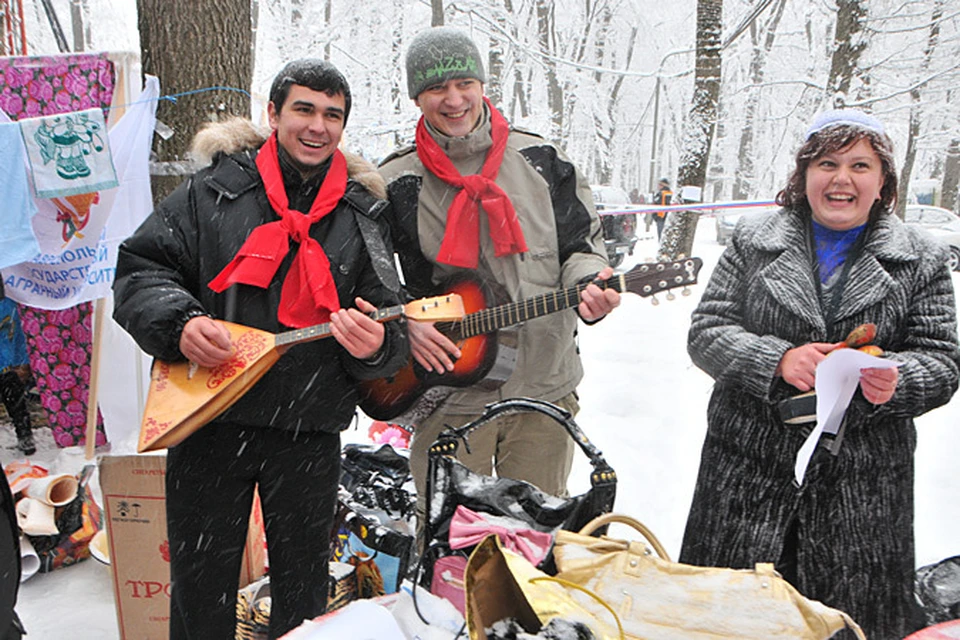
(56, 491)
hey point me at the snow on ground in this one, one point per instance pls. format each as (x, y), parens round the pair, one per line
(643, 404)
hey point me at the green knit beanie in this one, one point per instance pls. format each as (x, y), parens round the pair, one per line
(440, 54)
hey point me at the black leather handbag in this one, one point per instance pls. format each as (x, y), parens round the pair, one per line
(450, 483)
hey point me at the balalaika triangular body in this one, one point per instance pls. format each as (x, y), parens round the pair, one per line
(184, 396)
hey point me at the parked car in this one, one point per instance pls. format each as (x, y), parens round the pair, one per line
(931, 217)
(949, 238)
(941, 223)
(619, 229)
(726, 220)
(952, 240)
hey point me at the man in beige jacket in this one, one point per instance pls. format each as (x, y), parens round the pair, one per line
(539, 232)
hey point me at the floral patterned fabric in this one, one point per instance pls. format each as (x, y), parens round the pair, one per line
(59, 343)
(47, 85)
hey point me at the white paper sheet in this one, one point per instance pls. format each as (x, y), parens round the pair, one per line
(837, 378)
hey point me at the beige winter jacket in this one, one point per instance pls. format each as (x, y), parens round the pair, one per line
(563, 235)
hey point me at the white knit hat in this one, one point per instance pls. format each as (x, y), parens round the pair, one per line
(849, 117)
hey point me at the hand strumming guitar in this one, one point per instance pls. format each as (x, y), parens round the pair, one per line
(433, 350)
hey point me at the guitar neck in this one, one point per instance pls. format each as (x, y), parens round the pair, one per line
(643, 280)
(318, 331)
(513, 313)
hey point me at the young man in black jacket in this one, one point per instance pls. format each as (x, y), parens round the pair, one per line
(274, 238)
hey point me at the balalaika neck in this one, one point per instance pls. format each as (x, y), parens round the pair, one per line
(493, 319)
(318, 331)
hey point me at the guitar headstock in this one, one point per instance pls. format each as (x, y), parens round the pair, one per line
(650, 278)
(436, 309)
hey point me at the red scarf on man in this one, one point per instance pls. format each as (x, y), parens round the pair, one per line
(461, 240)
(309, 293)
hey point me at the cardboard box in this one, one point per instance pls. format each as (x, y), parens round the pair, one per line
(134, 508)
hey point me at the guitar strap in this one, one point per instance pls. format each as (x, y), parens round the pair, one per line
(381, 260)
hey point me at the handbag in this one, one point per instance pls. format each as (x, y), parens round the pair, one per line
(451, 484)
(657, 598)
(505, 592)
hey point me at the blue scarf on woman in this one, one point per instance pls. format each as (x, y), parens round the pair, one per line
(832, 248)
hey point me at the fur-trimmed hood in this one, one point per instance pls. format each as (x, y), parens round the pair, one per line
(239, 134)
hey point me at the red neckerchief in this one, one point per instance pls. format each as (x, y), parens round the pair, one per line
(461, 239)
(309, 293)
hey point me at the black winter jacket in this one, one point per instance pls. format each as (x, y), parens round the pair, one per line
(10, 627)
(164, 268)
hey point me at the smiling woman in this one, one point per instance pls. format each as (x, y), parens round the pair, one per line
(843, 185)
(785, 293)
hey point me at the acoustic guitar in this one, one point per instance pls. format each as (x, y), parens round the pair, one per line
(184, 396)
(488, 348)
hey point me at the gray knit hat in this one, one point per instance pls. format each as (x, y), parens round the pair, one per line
(439, 54)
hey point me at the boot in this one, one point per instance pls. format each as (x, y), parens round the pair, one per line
(15, 399)
(21, 425)
(25, 442)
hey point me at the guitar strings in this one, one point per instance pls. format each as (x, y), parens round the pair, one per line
(489, 319)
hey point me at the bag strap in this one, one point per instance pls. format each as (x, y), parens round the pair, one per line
(448, 441)
(577, 587)
(610, 518)
(380, 258)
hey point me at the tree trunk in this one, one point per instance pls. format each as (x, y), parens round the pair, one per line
(519, 85)
(603, 118)
(436, 13)
(850, 43)
(193, 47)
(951, 178)
(81, 27)
(495, 64)
(607, 132)
(678, 234)
(913, 133)
(745, 172)
(327, 16)
(546, 40)
(398, 93)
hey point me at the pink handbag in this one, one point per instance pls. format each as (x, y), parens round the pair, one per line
(447, 580)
